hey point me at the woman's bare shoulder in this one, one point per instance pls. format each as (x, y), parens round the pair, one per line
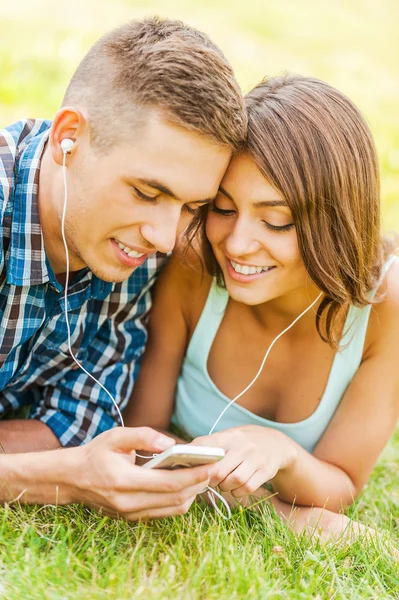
(186, 280)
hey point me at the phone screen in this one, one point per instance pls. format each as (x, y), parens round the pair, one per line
(177, 458)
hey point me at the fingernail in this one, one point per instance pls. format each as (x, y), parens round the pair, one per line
(163, 442)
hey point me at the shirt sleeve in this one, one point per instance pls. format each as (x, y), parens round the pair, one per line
(77, 409)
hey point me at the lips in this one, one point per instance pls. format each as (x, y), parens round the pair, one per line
(247, 273)
(129, 251)
(248, 269)
(128, 256)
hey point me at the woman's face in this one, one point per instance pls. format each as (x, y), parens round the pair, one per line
(253, 237)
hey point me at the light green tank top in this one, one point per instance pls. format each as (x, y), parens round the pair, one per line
(199, 402)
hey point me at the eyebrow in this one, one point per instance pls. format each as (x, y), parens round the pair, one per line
(165, 190)
(260, 203)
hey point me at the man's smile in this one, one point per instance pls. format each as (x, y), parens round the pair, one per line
(127, 255)
(129, 251)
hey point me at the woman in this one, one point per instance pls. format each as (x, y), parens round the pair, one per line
(294, 228)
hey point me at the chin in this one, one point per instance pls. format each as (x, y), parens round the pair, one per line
(246, 296)
(111, 275)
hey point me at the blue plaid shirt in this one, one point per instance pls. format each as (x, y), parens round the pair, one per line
(108, 334)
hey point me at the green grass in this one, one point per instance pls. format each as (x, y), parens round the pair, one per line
(63, 553)
(72, 552)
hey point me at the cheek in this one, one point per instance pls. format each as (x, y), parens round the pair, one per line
(285, 248)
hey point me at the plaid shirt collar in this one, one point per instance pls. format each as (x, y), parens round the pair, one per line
(28, 263)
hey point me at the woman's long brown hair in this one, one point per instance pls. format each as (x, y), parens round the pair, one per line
(314, 146)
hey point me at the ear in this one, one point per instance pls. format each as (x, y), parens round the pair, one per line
(68, 123)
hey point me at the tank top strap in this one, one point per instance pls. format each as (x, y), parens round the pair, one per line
(387, 265)
(208, 325)
(357, 321)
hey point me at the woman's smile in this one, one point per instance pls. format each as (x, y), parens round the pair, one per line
(245, 273)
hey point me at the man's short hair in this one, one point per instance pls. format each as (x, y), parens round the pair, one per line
(158, 64)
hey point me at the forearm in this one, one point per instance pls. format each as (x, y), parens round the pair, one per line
(26, 435)
(39, 477)
(313, 482)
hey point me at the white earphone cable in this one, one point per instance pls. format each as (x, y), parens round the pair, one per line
(263, 362)
(210, 491)
(66, 300)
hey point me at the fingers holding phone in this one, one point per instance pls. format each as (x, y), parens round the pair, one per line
(107, 479)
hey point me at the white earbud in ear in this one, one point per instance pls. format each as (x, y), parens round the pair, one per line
(66, 145)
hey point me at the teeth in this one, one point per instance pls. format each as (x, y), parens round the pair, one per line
(129, 251)
(246, 270)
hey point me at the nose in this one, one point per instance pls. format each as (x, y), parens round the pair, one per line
(241, 241)
(161, 232)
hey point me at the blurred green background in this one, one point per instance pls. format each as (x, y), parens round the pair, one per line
(352, 44)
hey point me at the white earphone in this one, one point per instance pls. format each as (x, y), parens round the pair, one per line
(66, 145)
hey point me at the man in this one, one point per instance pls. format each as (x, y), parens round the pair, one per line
(153, 114)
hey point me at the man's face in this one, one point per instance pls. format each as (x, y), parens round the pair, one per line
(135, 199)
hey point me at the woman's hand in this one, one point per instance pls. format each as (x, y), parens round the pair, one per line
(254, 455)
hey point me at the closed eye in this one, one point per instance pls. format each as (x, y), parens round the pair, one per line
(144, 196)
(221, 211)
(280, 228)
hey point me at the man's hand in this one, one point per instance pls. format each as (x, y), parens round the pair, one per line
(102, 474)
(109, 479)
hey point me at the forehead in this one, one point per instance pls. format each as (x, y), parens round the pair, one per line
(189, 164)
(244, 180)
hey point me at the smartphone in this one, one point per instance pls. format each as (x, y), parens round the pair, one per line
(185, 455)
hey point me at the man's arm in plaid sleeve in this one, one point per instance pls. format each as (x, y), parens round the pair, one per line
(23, 435)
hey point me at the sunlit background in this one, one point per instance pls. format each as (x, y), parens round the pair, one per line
(352, 44)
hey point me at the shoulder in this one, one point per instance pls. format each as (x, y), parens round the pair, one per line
(184, 282)
(387, 297)
(16, 136)
(383, 330)
(13, 139)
